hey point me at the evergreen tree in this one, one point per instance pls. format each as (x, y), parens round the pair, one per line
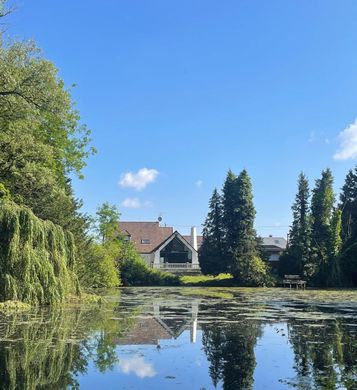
(241, 238)
(211, 253)
(296, 259)
(348, 206)
(321, 212)
(334, 271)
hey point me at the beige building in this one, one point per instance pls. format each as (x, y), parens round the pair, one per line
(162, 247)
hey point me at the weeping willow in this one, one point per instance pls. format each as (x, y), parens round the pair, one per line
(37, 258)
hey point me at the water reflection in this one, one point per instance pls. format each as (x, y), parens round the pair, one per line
(186, 338)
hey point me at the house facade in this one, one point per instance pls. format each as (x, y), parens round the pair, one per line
(274, 247)
(162, 247)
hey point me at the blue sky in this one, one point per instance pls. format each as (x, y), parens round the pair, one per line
(188, 89)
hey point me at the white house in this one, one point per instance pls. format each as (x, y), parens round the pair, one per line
(162, 247)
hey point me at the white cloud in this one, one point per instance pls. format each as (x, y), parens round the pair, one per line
(131, 203)
(312, 137)
(199, 183)
(348, 143)
(137, 365)
(138, 180)
(134, 203)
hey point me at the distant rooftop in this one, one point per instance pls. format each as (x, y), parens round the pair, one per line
(279, 242)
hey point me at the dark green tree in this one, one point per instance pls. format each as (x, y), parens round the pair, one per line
(296, 259)
(241, 238)
(321, 212)
(211, 254)
(348, 206)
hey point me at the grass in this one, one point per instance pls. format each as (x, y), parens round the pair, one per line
(221, 280)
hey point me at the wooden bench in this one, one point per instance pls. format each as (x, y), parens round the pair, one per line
(294, 280)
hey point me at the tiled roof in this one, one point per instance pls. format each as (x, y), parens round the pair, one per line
(145, 236)
(199, 240)
(278, 242)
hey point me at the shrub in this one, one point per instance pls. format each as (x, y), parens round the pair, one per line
(99, 269)
(135, 272)
(253, 272)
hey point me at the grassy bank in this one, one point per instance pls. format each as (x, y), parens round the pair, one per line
(221, 280)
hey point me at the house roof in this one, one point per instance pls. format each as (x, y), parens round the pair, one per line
(150, 231)
(199, 240)
(177, 234)
(278, 242)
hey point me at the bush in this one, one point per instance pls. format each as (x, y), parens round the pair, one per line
(135, 272)
(99, 268)
(253, 272)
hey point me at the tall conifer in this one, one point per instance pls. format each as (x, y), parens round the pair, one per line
(296, 259)
(321, 212)
(211, 254)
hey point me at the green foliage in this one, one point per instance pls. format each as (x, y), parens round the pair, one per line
(211, 253)
(37, 258)
(349, 265)
(241, 238)
(42, 140)
(207, 280)
(4, 192)
(11, 307)
(33, 98)
(107, 221)
(321, 213)
(135, 272)
(297, 258)
(100, 269)
(348, 206)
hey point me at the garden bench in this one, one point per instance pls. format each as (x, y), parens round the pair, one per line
(294, 280)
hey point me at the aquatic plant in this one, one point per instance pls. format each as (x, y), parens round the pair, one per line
(37, 258)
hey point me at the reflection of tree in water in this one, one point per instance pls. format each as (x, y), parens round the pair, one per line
(230, 351)
(47, 349)
(325, 354)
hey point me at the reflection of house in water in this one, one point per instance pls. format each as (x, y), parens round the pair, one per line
(164, 323)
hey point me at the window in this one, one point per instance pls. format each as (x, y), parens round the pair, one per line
(145, 241)
(277, 242)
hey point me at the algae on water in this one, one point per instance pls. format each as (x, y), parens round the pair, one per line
(37, 258)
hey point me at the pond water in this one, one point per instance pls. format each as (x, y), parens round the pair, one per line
(186, 338)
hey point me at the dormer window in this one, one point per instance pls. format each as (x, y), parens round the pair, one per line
(145, 241)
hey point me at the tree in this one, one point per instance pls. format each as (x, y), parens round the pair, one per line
(348, 206)
(33, 98)
(334, 268)
(211, 253)
(296, 259)
(107, 221)
(241, 238)
(321, 212)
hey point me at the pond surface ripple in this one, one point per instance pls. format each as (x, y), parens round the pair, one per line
(186, 338)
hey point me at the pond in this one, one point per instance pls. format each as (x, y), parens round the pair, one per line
(186, 338)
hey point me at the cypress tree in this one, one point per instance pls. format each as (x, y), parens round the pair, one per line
(211, 254)
(241, 238)
(348, 206)
(321, 212)
(296, 259)
(334, 269)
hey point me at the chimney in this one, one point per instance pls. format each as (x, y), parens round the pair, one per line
(194, 237)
